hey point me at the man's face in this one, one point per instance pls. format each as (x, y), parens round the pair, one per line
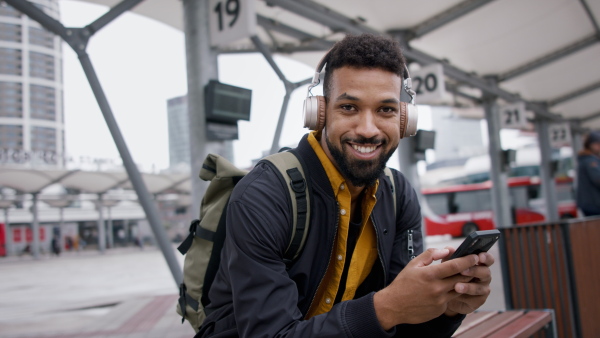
(362, 127)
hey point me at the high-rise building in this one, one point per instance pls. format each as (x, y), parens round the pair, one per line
(31, 90)
(179, 133)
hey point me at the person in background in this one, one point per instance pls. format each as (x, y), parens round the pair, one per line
(588, 175)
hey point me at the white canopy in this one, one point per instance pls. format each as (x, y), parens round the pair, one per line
(545, 51)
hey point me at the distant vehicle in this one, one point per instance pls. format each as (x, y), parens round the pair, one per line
(461, 209)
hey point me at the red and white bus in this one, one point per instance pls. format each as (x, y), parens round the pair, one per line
(459, 210)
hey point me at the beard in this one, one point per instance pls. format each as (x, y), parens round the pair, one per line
(360, 173)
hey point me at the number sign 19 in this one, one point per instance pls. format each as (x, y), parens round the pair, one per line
(231, 20)
(513, 116)
(428, 83)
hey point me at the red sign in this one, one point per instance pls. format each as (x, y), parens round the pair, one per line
(29, 234)
(17, 235)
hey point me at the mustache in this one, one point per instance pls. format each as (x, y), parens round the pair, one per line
(364, 140)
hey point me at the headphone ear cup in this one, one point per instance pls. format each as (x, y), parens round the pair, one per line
(403, 113)
(314, 112)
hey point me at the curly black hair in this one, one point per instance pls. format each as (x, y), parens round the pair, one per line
(364, 51)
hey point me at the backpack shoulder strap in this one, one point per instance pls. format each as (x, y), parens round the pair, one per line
(390, 175)
(292, 171)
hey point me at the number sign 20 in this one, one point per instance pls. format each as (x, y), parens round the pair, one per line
(428, 83)
(231, 20)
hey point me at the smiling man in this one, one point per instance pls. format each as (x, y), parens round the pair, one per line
(362, 272)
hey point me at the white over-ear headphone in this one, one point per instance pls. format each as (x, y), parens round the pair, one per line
(314, 106)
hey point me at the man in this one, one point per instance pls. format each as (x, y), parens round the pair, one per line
(588, 175)
(355, 276)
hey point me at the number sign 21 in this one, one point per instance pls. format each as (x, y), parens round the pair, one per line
(231, 20)
(513, 116)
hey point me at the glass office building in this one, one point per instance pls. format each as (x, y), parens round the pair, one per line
(31, 106)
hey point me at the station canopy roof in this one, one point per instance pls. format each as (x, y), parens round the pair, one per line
(545, 52)
(97, 182)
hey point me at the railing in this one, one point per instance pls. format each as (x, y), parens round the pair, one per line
(555, 266)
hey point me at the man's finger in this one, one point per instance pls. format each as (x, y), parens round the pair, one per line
(472, 289)
(455, 266)
(486, 259)
(429, 256)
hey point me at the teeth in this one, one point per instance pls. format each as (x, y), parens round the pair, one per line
(363, 149)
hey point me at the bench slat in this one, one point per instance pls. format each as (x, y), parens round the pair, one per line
(524, 326)
(491, 325)
(474, 319)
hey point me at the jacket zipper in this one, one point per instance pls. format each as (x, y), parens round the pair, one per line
(410, 248)
(337, 223)
(379, 251)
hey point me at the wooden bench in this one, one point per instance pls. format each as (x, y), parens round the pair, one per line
(503, 324)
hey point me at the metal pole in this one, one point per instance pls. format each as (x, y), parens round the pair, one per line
(111, 240)
(35, 248)
(500, 199)
(275, 146)
(101, 226)
(8, 234)
(546, 172)
(61, 238)
(135, 177)
(202, 66)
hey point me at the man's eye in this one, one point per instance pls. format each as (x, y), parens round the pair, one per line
(347, 107)
(388, 110)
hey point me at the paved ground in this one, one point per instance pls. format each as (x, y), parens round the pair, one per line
(123, 293)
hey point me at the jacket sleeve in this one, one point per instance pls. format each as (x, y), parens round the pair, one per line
(592, 168)
(408, 222)
(264, 297)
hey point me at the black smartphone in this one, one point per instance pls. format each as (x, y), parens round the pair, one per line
(476, 242)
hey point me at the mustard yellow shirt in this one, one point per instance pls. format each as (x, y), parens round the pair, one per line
(365, 252)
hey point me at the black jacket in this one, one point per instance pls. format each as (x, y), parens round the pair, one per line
(588, 183)
(253, 294)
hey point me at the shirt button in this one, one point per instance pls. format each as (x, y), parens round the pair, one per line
(340, 257)
(343, 212)
(327, 300)
(342, 187)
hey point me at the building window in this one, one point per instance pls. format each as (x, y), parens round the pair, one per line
(41, 65)
(41, 37)
(11, 137)
(42, 102)
(10, 61)
(43, 138)
(6, 10)
(10, 32)
(11, 99)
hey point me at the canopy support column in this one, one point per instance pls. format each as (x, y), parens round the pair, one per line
(500, 194)
(546, 170)
(35, 247)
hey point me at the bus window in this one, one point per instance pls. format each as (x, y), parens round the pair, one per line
(471, 201)
(438, 203)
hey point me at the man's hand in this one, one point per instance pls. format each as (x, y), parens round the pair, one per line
(422, 291)
(475, 292)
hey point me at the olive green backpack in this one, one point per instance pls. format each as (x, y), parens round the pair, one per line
(203, 245)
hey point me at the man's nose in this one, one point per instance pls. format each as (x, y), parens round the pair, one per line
(367, 125)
